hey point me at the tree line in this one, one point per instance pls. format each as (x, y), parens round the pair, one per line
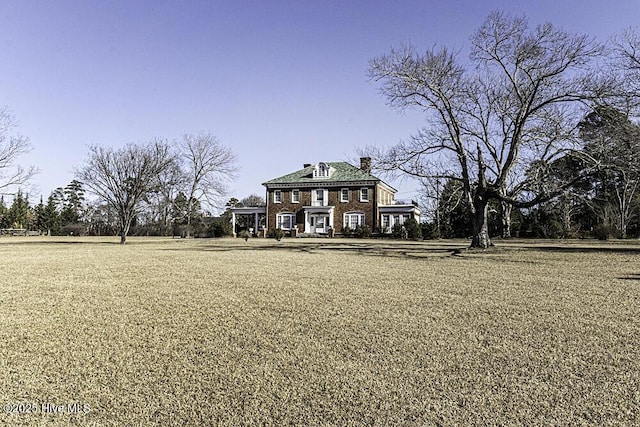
(67, 212)
(602, 204)
(156, 188)
(149, 188)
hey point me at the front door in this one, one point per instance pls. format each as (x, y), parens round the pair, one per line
(319, 223)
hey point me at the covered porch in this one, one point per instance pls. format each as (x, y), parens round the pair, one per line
(391, 215)
(253, 219)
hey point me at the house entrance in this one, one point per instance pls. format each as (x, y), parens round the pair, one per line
(319, 223)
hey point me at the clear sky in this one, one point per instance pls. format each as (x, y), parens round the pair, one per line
(280, 82)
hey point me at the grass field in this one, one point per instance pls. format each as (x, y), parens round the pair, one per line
(318, 332)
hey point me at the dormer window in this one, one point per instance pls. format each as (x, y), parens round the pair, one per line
(322, 170)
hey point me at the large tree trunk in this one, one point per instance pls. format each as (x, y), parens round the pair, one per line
(624, 202)
(124, 230)
(624, 222)
(506, 219)
(480, 238)
(565, 209)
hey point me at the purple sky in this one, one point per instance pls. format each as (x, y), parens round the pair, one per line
(281, 82)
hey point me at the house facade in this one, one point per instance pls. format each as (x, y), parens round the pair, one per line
(333, 197)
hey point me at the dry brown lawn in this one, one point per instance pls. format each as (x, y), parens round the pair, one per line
(318, 332)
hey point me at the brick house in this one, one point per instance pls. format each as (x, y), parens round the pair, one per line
(330, 196)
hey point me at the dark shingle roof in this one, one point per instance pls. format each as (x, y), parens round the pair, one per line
(343, 171)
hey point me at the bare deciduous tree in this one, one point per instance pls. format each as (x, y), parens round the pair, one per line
(123, 178)
(613, 141)
(625, 53)
(496, 126)
(11, 147)
(253, 200)
(207, 166)
(170, 183)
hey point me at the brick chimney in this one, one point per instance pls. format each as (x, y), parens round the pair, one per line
(365, 164)
(306, 165)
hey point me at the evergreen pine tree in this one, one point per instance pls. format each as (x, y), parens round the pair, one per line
(18, 214)
(3, 213)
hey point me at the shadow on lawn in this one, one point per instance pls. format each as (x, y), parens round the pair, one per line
(63, 242)
(418, 249)
(374, 248)
(586, 249)
(366, 247)
(635, 276)
(450, 248)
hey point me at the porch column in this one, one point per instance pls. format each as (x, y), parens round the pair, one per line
(306, 222)
(255, 223)
(233, 223)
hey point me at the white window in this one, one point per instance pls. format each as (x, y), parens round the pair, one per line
(353, 219)
(295, 196)
(386, 222)
(344, 195)
(364, 194)
(277, 196)
(285, 221)
(319, 197)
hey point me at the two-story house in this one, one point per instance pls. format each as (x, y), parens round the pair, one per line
(332, 196)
